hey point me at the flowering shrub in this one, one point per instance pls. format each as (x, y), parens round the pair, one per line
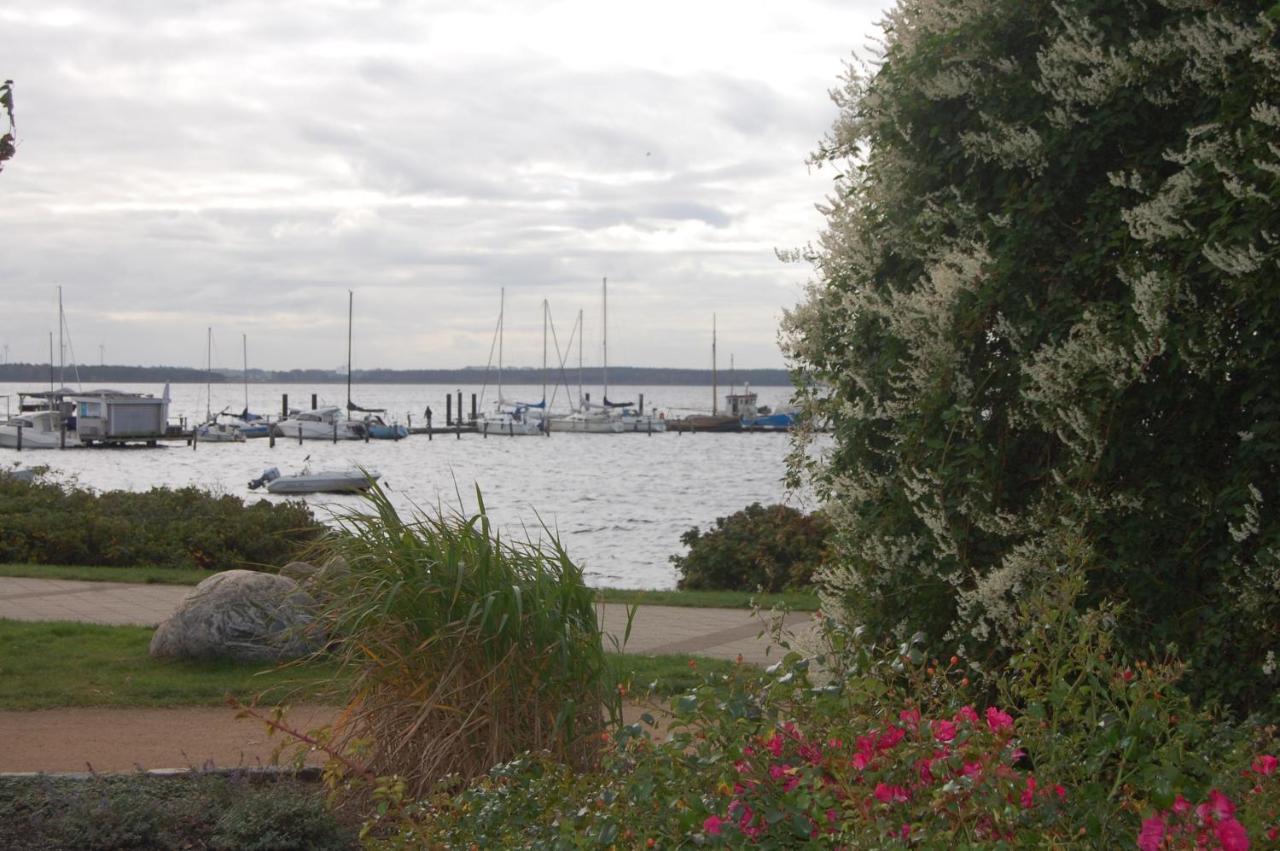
(1215, 823)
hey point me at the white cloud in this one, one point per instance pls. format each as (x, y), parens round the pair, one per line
(243, 164)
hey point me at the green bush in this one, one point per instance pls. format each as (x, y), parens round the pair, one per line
(201, 811)
(770, 548)
(47, 522)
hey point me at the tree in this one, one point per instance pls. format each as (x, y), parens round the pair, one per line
(1044, 325)
(7, 143)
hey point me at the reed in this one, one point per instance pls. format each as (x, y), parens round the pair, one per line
(462, 650)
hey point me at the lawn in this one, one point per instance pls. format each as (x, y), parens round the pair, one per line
(45, 665)
(797, 601)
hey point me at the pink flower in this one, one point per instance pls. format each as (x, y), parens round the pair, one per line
(886, 794)
(971, 769)
(1152, 835)
(1181, 805)
(1029, 794)
(1060, 791)
(944, 731)
(891, 736)
(712, 825)
(1218, 807)
(1265, 765)
(1231, 834)
(966, 713)
(774, 745)
(910, 716)
(998, 720)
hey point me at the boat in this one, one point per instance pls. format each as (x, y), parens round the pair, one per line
(328, 423)
(351, 480)
(371, 425)
(715, 421)
(514, 418)
(34, 430)
(380, 430)
(219, 432)
(250, 425)
(588, 418)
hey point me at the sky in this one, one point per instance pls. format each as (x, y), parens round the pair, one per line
(241, 165)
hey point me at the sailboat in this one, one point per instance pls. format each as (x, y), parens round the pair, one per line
(212, 431)
(589, 418)
(373, 424)
(250, 425)
(513, 418)
(715, 421)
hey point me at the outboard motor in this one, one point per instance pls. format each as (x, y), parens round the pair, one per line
(268, 475)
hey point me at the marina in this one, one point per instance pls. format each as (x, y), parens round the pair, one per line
(619, 503)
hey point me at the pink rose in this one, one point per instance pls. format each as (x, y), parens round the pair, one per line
(1231, 834)
(1265, 765)
(1152, 835)
(712, 825)
(944, 731)
(999, 720)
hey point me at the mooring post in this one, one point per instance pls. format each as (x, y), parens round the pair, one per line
(299, 434)
(473, 407)
(195, 438)
(460, 408)
(313, 401)
(448, 410)
(511, 428)
(62, 437)
(19, 438)
(484, 430)
(335, 431)
(642, 403)
(284, 406)
(271, 436)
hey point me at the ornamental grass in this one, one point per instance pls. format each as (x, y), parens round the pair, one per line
(462, 650)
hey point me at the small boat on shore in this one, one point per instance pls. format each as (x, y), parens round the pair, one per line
(351, 480)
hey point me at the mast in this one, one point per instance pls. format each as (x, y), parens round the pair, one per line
(502, 331)
(51, 370)
(62, 367)
(208, 376)
(580, 335)
(244, 344)
(544, 358)
(604, 289)
(715, 390)
(351, 300)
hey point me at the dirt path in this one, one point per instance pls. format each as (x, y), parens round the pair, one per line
(124, 739)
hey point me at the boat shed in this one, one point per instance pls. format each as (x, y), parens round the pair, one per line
(113, 416)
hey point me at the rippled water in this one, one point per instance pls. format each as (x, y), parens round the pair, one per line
(618, 502)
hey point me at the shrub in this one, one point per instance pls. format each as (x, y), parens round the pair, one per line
(47, 522)
(463, 650)
(771, 548)
(145, 812)
(883, 747)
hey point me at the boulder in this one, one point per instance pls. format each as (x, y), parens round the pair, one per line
(242, 615)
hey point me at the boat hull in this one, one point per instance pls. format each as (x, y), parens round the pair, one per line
(33, 439)
(324, 481)
(319, 431)
(586, 425)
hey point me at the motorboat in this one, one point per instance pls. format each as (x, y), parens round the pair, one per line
(351, 480)
(379, 429)
(516, 421)
(329, 423)
(219, 432)
(39, 430)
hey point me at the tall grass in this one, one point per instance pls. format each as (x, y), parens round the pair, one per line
(462, 650)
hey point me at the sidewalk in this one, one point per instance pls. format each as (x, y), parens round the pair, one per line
(720, 633)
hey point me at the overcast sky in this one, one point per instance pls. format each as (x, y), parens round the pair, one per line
(241, 165)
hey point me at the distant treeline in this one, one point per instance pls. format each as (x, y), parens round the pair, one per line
(38, 375)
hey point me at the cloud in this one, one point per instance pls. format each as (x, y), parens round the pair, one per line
(241, 165)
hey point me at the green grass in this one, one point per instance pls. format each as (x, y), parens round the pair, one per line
(45, 665)
(88, 573)
(797, 601)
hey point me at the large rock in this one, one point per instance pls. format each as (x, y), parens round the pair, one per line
(242, 615)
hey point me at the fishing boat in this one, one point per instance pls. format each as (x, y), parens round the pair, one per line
(715, 421)
(351, 480)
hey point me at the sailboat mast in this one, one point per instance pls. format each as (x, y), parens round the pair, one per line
(544, 358)
(62, 367)
(715, 390)
(208, 375)
(244, 344)
(502, 332)
(604, 289)
(51, 370)
(351, 303)
(581, 332)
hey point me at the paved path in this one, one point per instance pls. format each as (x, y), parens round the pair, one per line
(720, 633)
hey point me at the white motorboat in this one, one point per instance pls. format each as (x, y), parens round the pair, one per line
(351, 480)
(641, 423)
(40, 430)
(219, 432)
(515, 421)
(330, 423)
